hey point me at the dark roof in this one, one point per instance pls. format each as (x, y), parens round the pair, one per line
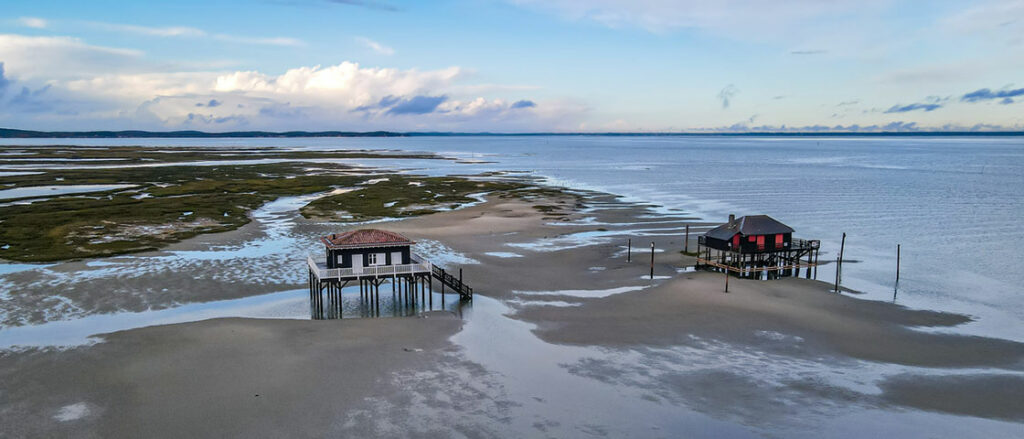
(365, 238)
(749, 225)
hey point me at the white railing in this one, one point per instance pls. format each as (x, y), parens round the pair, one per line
(370, 271)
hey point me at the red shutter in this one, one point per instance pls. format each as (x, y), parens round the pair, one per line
(778, 241)
(760, 242)
(735, 241)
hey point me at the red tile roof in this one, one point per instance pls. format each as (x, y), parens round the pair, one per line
(365, 238)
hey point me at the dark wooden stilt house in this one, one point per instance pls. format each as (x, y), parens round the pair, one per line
(367, 248)
(372, 257)
(756, 246)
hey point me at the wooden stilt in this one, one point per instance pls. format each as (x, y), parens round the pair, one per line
(839, 262)
(896, 287)
(897, 264)
(652, 260)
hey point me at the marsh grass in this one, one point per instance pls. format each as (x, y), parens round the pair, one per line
(402, 196)
(172, 203)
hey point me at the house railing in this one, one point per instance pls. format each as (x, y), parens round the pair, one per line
(453, 282)
(795, 244)
(418, 266)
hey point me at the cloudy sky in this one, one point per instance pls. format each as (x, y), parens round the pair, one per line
(512, 65)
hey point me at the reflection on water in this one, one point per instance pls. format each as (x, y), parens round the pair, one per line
(282, 305)
(43, 191)
(291, 304)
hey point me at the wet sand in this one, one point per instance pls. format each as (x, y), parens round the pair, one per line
(695, 304)
(669, 357)
(217, 378)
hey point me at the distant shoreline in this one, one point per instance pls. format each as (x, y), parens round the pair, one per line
(28, 134)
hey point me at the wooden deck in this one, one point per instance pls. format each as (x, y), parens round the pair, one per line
(319, 270)
(735, 269)
(406, 281)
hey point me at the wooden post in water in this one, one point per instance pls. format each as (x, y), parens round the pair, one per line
(896, 288)
(816, 253)
(652, 259)
(629, 249)
(839, 262)
(686, 243)
(897, 264)
(726, 280)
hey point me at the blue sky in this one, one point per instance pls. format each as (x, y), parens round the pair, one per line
(513, 65)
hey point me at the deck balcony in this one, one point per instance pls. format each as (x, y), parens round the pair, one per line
(319, 270)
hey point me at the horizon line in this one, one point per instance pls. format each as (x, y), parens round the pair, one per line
(11, 133)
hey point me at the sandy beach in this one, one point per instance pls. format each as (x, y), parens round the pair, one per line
(550, 286)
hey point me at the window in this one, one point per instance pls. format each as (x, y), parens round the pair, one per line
(736, 241)
(752, 238)
(760, 242)
(778, 240)
(376, 259)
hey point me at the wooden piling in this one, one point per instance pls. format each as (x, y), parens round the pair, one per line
(686, 243)
(839, 262)
(896, 287)
(897, 264)
(652, 260)
(816, 253)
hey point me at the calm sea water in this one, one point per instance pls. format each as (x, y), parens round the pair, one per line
(955, 204)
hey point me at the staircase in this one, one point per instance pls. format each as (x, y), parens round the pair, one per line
(465, 291)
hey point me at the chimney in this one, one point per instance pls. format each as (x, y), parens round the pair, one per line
(732, 220)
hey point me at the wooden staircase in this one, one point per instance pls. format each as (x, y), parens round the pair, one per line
(465, 291)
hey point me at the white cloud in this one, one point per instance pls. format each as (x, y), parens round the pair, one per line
(346, 84)
(756, 17)
(989, 16)
(375, 46)
(191, 32)
(998, 20)
(33, 22)
(75, 85)
(62, 57)
(171, 31)
(271, 41)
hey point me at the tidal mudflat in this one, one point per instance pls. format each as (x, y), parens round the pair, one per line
(564, 339)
